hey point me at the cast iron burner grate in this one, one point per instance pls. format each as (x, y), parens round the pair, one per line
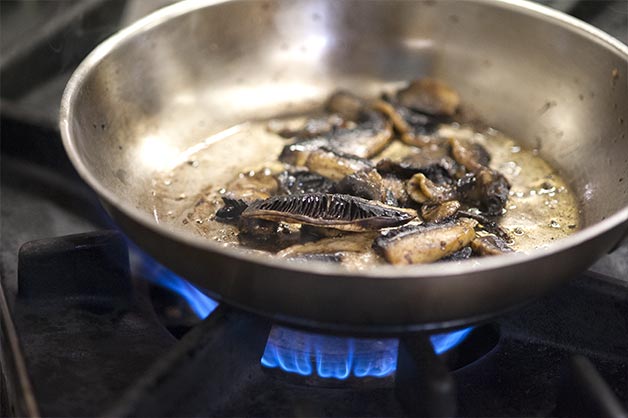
(92, 344)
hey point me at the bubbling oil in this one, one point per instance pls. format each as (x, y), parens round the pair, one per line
(541, 207)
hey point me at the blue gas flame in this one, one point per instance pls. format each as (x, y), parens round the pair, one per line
(200, 303)
(329, 356)
(338, 357)
(447, 341)
(304, 353)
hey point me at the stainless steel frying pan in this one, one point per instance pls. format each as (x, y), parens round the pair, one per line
(196, 68)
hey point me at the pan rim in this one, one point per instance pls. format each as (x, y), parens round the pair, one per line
(320, 269)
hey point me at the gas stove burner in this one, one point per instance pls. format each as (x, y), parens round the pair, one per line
(303, 353)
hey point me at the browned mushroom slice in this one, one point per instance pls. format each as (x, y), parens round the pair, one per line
(365, 137)
(369, 137)
(480, 154)
(318, 232)
(432, 158)
(466, 186)
(473, 157)
(299, 182)
(393, 113)
(423, 135)
(347, 105)
(365, 184)
(430, 96)
(395, 191)
(487, 189)
(335, 165)
(231, 209)
(344, 212)
(347, 243)
(297, 154)
(311, 128)
(246, 188)
(439, 212)
(422, 190)
(257, 230)
(266, 235)
(253, 185)
(493, 191)
(433, 161)
(413, 128)
(491, 188)
(417, 244)
(486, 224)
(490, 245)
(459, 255)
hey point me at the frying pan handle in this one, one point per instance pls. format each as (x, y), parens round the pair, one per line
(622, 241)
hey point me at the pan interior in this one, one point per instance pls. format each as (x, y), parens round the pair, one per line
(200, 78)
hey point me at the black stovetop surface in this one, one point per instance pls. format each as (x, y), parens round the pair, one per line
(93, 337)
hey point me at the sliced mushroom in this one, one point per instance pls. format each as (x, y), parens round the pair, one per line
(311, 128)
(245, 189)
(493, 191)
(486, 224)
(252, 230)
(231, 209)
(396, 193)
(345, 104)
(266, 235)
(253, 185)
(459, 255)
(491, 188)
(422, 190)
(432, 161)
(352, 129)
(321, 159)
(344, 212)
(480, 154)
(394, 114)
(439, 212)
(473, 157)
(466, 186)
(430, 96)
(487, 189)
(369, 137)
(299, 182)
(386, 166)
(367, 184)
(417, 244)
(320, 232)
(490, 245)
(413, 128)
(335, 165)
(338, 245)
(297, 154)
